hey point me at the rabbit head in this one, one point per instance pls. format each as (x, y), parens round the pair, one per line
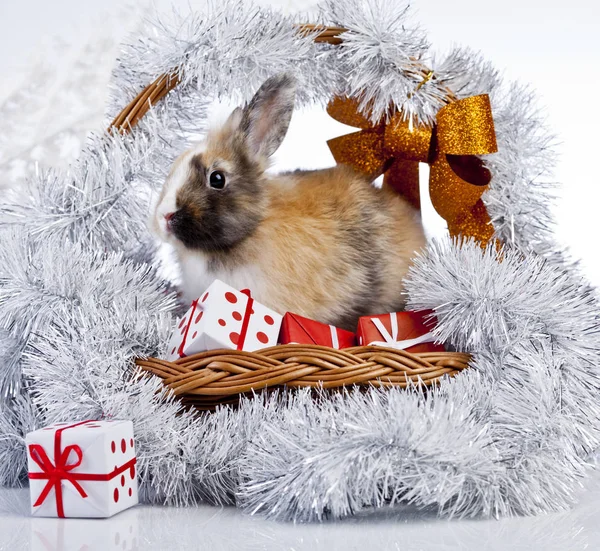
(214, 195)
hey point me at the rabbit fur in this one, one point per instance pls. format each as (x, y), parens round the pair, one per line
(325, 244)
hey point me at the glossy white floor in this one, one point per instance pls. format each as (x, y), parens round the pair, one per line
(226, 529)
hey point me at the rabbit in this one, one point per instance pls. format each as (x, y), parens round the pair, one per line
(324, 244)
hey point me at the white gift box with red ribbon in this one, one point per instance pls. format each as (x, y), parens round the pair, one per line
(85, 469)
(224, 317)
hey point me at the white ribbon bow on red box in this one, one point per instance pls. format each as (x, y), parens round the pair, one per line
(390, 340)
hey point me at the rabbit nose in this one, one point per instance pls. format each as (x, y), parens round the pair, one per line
(169, 219)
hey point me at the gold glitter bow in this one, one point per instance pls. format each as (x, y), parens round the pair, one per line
(463, 129)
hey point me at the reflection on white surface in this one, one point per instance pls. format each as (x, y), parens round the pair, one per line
(119, 532)
(227, 529)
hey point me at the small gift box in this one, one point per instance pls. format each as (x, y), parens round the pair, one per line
(224, 318)
(410, 331)
(298, 330)
(84, 469)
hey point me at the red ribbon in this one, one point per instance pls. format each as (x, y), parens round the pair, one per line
(187, 329)
(246, 321)
(61, 469)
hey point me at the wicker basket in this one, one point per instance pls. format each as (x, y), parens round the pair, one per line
(218, 377)
(221, 376)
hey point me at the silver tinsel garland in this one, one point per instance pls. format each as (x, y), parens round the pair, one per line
(80, 297)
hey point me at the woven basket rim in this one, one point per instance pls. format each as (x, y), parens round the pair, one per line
(210, 378)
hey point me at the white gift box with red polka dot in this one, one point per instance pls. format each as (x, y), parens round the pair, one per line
(224, 317)
(82, 469)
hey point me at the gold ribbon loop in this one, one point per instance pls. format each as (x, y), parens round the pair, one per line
(346, 111)
(361, 150)
(463, 129)
(466, 127)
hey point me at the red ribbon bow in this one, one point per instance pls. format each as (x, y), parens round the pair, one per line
(61, 469)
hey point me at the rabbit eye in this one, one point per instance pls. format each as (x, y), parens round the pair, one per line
(217, 179)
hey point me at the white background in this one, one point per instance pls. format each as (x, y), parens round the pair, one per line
(554, 45)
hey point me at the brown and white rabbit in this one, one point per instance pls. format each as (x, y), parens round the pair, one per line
(325, 244)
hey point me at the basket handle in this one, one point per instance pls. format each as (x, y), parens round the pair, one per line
(163, 84)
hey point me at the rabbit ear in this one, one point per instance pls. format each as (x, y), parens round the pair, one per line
(266, 118)
(233, 122)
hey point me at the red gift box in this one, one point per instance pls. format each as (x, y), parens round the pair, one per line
(298, 330)
(410, 331)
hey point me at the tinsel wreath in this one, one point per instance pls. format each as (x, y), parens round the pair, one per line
(81, 296)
